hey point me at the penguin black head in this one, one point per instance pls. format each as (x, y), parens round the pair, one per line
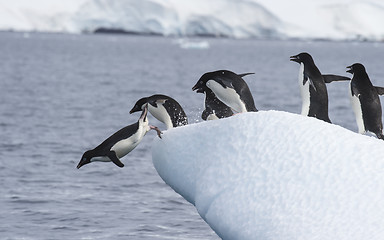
(85, 159)
(356, 68)
(139, 105)
(201, 86)
(302, 58)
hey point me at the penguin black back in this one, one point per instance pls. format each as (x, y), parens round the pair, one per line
(120, 143)
(313, 90)
(368, 105)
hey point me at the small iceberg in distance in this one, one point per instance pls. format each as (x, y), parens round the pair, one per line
(277, 175)
(192, 44)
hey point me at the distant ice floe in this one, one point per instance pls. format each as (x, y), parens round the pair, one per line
(277, 175)
(192, 44)
(326, 19)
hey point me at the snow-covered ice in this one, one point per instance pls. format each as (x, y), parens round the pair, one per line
(277, 175)
(325, 19)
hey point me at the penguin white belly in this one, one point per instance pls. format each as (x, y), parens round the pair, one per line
(100, 159)
(161, 114)
(356, 106)
(304, 89)
(123, 147)
(227, 95)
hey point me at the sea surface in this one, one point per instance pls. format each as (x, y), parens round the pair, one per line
(63, 94)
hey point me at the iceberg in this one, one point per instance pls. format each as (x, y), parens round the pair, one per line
(277, 175)
(318, 19)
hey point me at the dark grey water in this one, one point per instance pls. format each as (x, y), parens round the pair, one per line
(64, 94)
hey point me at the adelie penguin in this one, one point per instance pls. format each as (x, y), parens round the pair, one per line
(365, 101)
(164, 108)
(229, 88)
(214, 108)
(312, 85)
(120, 143)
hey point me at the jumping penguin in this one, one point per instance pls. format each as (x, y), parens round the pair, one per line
(214, 108)
(229, 88)
(120, 143)
(164, 108)
(313, 90)
(365, 101)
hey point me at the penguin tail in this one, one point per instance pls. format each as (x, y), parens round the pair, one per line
(245, 74)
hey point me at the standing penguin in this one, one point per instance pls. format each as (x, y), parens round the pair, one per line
(313, 90)
(365, 101)
(120, 143)
(164, 108)
(229, 88)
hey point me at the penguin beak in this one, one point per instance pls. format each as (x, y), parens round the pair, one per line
(134, 109)
(349, 69)
(82, 162)
(198, 88)
(294, 58)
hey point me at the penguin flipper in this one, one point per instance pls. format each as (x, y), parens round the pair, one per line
(205, 114)
(115, 159)
(328, 78)
(380, 90)
(306, 78)
(355, 91)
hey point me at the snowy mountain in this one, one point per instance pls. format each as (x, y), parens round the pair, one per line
(325, 19)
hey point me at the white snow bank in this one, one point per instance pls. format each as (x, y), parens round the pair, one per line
(277, 175)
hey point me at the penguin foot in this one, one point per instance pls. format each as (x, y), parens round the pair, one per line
(157, 130)
(380, 135)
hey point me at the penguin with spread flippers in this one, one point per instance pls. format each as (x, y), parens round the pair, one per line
(313, 90)
(365, 101)
(229, 88)
(120, 143)
(164, 108)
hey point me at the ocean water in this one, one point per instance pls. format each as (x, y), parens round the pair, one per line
(63, 94)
